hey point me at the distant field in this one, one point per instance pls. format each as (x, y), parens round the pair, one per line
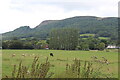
(104, 38)
(60, 59)
(92, 35)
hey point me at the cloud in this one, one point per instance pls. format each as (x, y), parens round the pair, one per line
(16, 13)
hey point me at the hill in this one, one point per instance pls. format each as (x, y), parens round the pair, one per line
(101, 27)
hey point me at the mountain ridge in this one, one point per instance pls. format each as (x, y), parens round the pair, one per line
(86, 24)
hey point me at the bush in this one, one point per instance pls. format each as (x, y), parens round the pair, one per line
(101, 46)
(15, 44)
(84, 69)
(36, 70)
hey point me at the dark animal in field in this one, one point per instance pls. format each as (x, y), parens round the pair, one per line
(51, 54)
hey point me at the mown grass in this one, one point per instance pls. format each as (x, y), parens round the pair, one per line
(59, 61)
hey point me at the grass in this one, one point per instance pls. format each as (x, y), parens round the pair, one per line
(59, 61)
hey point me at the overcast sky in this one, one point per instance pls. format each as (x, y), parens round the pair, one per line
(16, 13)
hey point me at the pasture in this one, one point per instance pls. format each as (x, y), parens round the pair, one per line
(58, 61)
(104, 38)
(92, 35)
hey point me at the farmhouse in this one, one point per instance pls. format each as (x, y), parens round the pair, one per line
(112, 47)
(46, 47)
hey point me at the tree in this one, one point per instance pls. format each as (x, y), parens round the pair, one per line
(27, 45)
(106, 42)
(101, 46)
(15, 44)
(84, 46)
(5, 45)
(41, 44)
(64, 39)
(93, 42)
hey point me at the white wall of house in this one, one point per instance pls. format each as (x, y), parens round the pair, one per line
(111, 46)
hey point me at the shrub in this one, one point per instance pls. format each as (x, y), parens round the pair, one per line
(83, 69)
(36, 70)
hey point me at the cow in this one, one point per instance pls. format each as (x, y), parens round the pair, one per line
(51, 54)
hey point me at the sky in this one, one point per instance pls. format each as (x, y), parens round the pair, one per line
(16, 13)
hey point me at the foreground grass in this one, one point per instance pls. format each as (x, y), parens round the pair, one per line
(59, 61)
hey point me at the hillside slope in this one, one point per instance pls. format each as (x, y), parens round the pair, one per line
(104, 27)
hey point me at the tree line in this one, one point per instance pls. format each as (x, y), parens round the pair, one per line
(59, 39)
(69, 39)
(24, 44)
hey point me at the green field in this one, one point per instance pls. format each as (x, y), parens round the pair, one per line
(60, 59)
(90, 35)
(93, 35)
(103, 37)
